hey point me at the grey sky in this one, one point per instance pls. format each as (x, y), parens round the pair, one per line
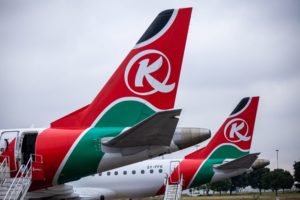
(56, 55)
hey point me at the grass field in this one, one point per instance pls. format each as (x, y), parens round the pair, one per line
(244, 196)
(248, 196)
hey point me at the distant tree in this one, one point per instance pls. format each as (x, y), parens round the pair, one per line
(297, 173)
(266, 180)
(278, 179)
(288, 181)
(255, 179)
(221, 186)
(240, 181)
(274, 179)
(198, 189)
(208, 187)
(202, 188)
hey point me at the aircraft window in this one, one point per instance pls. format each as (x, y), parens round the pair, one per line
(133, 172)
(160, 170)
(116, 173)
(108, 173)
(142, 171)
(151, 171)
(124, 172)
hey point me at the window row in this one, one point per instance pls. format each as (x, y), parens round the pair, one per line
(151, 171)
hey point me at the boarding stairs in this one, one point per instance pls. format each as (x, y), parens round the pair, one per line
(15, 188)
(4, 168)
(173, 190)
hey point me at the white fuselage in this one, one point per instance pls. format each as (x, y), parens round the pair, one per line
(137, 180)
(143, 179)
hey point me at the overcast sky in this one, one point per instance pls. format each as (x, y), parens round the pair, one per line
(56, 55)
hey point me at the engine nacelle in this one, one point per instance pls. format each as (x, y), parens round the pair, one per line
(182, 138)
(186, 137)
(260, 163)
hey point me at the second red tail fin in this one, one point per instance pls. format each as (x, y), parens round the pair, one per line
(237, 130)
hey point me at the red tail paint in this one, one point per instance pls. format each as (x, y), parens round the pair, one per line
(150, 72)
(237, 128)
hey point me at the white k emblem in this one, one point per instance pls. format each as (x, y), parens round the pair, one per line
(145, 71)
(235, 131)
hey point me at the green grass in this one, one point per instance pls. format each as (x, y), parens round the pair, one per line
(242, 196)
(249, 196)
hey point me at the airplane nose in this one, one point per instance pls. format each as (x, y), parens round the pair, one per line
(186, 137)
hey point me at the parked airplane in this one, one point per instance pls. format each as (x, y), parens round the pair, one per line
(129, 120)
(225, 156)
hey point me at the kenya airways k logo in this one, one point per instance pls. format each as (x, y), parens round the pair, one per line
(148, 72)
(236, 130)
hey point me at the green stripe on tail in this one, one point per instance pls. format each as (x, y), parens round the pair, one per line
(87, 153)
(205, 174)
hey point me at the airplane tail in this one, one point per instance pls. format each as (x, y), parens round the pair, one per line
(145, 82)
(234, 137)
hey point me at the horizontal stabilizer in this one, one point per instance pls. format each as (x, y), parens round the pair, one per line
(244, 162)
(156, 130)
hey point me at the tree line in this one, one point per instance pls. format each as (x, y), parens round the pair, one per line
(261, 179)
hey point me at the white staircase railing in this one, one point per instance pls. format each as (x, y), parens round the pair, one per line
(4, 168)
(21, 183)
(173, 190)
